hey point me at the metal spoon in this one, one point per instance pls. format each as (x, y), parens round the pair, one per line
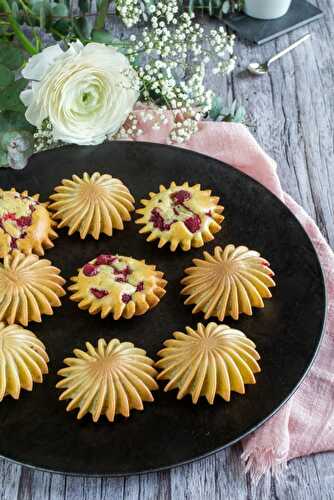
(262, 69)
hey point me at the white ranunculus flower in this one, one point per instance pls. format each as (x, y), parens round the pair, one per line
(86, 92)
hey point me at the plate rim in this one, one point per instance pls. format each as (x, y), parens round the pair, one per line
(257, 426)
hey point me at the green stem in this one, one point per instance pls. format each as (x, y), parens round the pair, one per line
(101, 15)
(29, 47)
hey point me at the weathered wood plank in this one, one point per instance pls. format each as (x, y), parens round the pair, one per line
(196, 478)
(9, 479)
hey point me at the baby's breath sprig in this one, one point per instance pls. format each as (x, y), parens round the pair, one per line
(43, 138)
(171, 56)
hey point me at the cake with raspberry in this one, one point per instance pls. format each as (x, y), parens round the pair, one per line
(92, 204)
(117, 285)
(181, 215)
(25, 223)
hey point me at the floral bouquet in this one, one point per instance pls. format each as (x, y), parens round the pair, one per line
(78, 84)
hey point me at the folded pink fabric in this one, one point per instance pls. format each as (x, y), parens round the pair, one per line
(305, 424)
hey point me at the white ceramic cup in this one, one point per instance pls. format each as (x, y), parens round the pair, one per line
(266, 9)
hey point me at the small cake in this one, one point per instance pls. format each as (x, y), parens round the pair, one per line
(23, 360)
(118, 285)
(92, 204)
(29, 287)
(228, 283)
(181, 215)
(25, 223)
(112, 378)
(214, 359)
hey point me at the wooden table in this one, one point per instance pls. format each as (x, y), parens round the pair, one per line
(291, 114)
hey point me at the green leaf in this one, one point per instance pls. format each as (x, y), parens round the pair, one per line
(42, 9)
(11, 120)
(84, 26)
(216, 107)
(240, 115)
(103, 37)
(3, 158)
(9, 96)
(59, 9)
(63, 26)
(6, 76)
(10, 56)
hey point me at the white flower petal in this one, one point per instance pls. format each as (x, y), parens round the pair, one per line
(87, 94)
(38, 65)
(27, 96)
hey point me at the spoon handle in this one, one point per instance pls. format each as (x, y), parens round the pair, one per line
(291, 47)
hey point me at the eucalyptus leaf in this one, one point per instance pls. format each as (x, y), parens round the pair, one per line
(42, 9)
(11, 120)
(6, 76)
(9, 96)
(20, 146)
(10, 56)
(216, 107)
(84, 25)
(3, 158)
(59, 9)
(62, 25)
(240, 115)
(103, 37)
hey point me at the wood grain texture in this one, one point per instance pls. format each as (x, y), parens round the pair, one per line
(290, 113)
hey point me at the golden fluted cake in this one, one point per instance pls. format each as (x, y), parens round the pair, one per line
(29, 287)
(23, 360)
(214, 359)
(181, 215)
(118, 285)
(228, 283)
(25, 223)
(112, 378)
(92, 204)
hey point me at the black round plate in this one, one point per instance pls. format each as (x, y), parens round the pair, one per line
(37, 431)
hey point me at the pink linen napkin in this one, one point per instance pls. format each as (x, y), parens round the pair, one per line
(305, 424)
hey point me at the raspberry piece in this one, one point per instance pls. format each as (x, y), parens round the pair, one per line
(24, 221)
(193, 223)
(99, 294)
(126, 271)
(89, 270)
(105, 259)
(120, 279)
(140, 286)
(9, 216)
(126, 297)
(158, 220)
(180, 197)
(13, 243)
